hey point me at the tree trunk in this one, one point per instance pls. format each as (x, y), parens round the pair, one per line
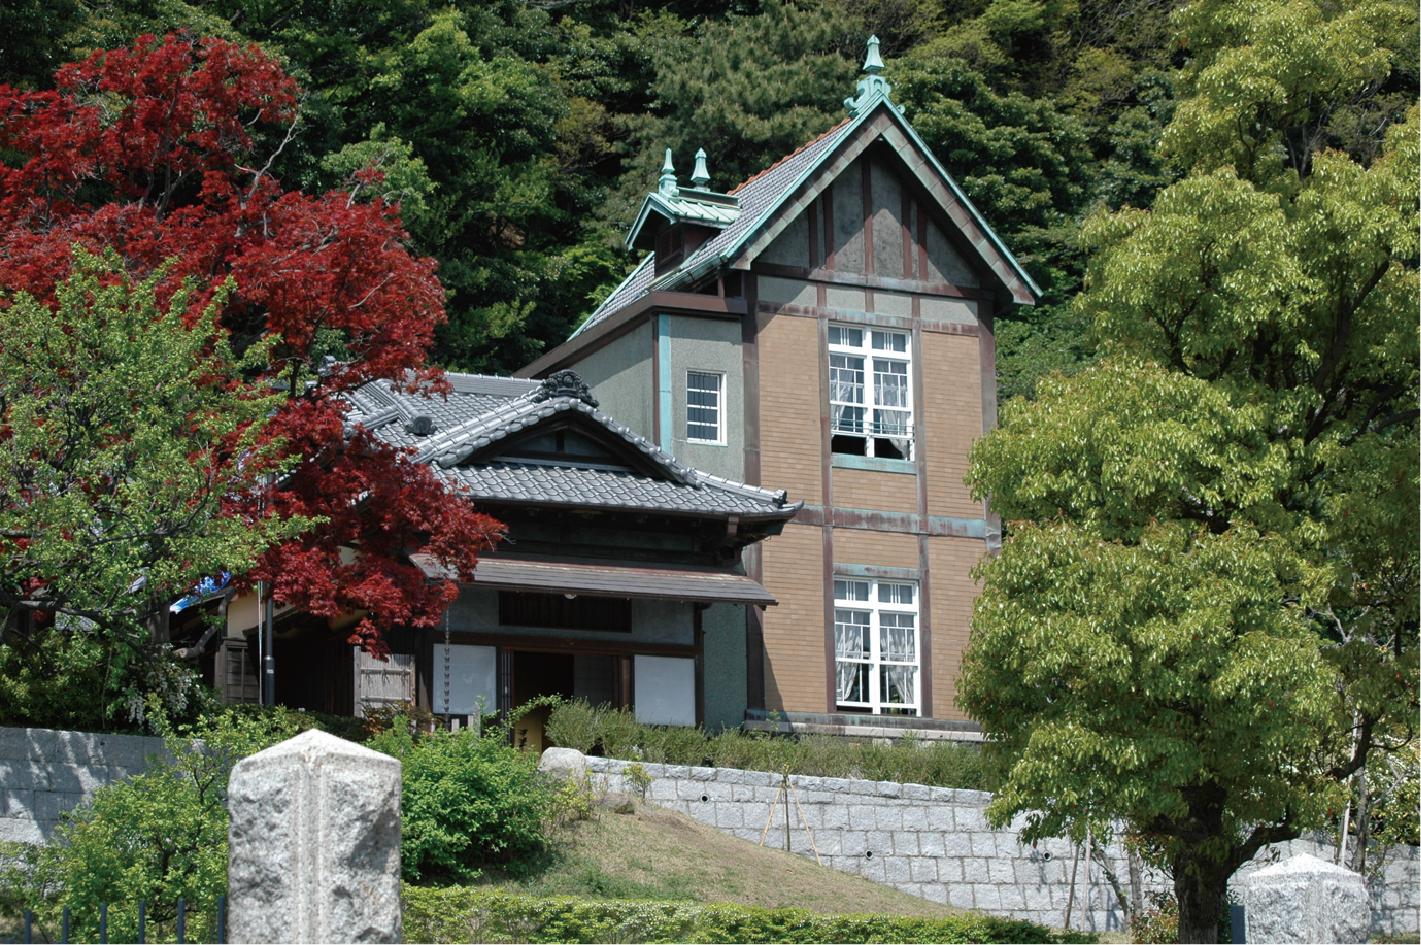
(1364, 824)
(1199, 889)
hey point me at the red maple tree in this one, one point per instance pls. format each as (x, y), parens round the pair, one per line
(153, 150)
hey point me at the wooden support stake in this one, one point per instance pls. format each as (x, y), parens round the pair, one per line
(805, 821)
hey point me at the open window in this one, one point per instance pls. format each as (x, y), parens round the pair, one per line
(870, 392)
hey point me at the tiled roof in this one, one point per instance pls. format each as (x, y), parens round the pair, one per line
(584, 486)
(633, 287)
(483, 410)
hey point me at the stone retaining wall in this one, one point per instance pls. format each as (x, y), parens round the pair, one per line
(44, 773)
(935, 843)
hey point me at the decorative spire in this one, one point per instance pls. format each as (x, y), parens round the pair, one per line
(668, 186)
(700, 177)
(872, 86)
(872, 63)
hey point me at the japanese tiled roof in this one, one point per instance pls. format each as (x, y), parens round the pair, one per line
(482, 411)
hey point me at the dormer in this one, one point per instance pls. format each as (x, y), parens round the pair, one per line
(675, 221)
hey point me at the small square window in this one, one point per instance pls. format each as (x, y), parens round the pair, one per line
(705, 407)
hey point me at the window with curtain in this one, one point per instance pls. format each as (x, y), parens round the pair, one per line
(870, 392)
(876, 646)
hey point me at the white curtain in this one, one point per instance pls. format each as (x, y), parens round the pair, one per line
(899, 685)
(850, 646)
(846, 387)
(898, 644)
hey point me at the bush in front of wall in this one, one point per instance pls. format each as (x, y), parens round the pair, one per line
(469, 801)
(155, 836)
(464, 914)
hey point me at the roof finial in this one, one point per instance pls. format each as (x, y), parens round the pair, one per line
(872, 64)
(872, 86)
(700, 177)
(668, 177)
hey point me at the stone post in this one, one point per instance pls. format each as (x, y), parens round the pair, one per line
(1305, 899)
(315, 843)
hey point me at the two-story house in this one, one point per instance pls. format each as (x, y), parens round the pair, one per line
(826, 327)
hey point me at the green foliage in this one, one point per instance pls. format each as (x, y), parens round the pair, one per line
(1204, 614)
(468, 802)
(74, 677)
(153, 837)
(616, 733)
(461, 914)
(1158, 924)
(574, 724)
(1395, 782)
(748, 87)
(521, 137)
(1270, 84)
(640, 779)
(114, 505)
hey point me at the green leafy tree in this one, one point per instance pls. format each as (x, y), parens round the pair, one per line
(124, 434)
(1203, 620)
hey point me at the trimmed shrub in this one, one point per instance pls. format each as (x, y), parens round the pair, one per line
(468, 802)
(616, 733)
(462, 914)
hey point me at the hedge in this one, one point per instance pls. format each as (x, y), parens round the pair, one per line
(616, 733)
(466, 914)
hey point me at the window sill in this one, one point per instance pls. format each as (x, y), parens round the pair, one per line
(847, 461)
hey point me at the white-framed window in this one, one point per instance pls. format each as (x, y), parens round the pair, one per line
(705, 407)
(876, 646)
(871, 392)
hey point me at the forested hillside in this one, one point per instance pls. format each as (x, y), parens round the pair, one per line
(519, 136)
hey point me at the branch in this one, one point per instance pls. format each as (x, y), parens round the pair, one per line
(289, 137)
(1262, 836)
(1360, 748)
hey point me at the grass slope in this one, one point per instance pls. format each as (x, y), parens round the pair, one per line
(660, 854)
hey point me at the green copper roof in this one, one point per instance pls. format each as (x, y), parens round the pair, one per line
(677, 204)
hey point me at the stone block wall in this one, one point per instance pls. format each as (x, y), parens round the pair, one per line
(935, 843)
(44, 773)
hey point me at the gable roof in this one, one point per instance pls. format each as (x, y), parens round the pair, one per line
(483, 411)
(763, 195)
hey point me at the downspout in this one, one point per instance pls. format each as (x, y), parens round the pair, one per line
(663, 381)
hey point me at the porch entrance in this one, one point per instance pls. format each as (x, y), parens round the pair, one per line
(592, 677)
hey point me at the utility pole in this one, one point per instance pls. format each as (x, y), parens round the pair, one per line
(268, 659)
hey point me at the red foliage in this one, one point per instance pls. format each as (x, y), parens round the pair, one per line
(154, 151)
